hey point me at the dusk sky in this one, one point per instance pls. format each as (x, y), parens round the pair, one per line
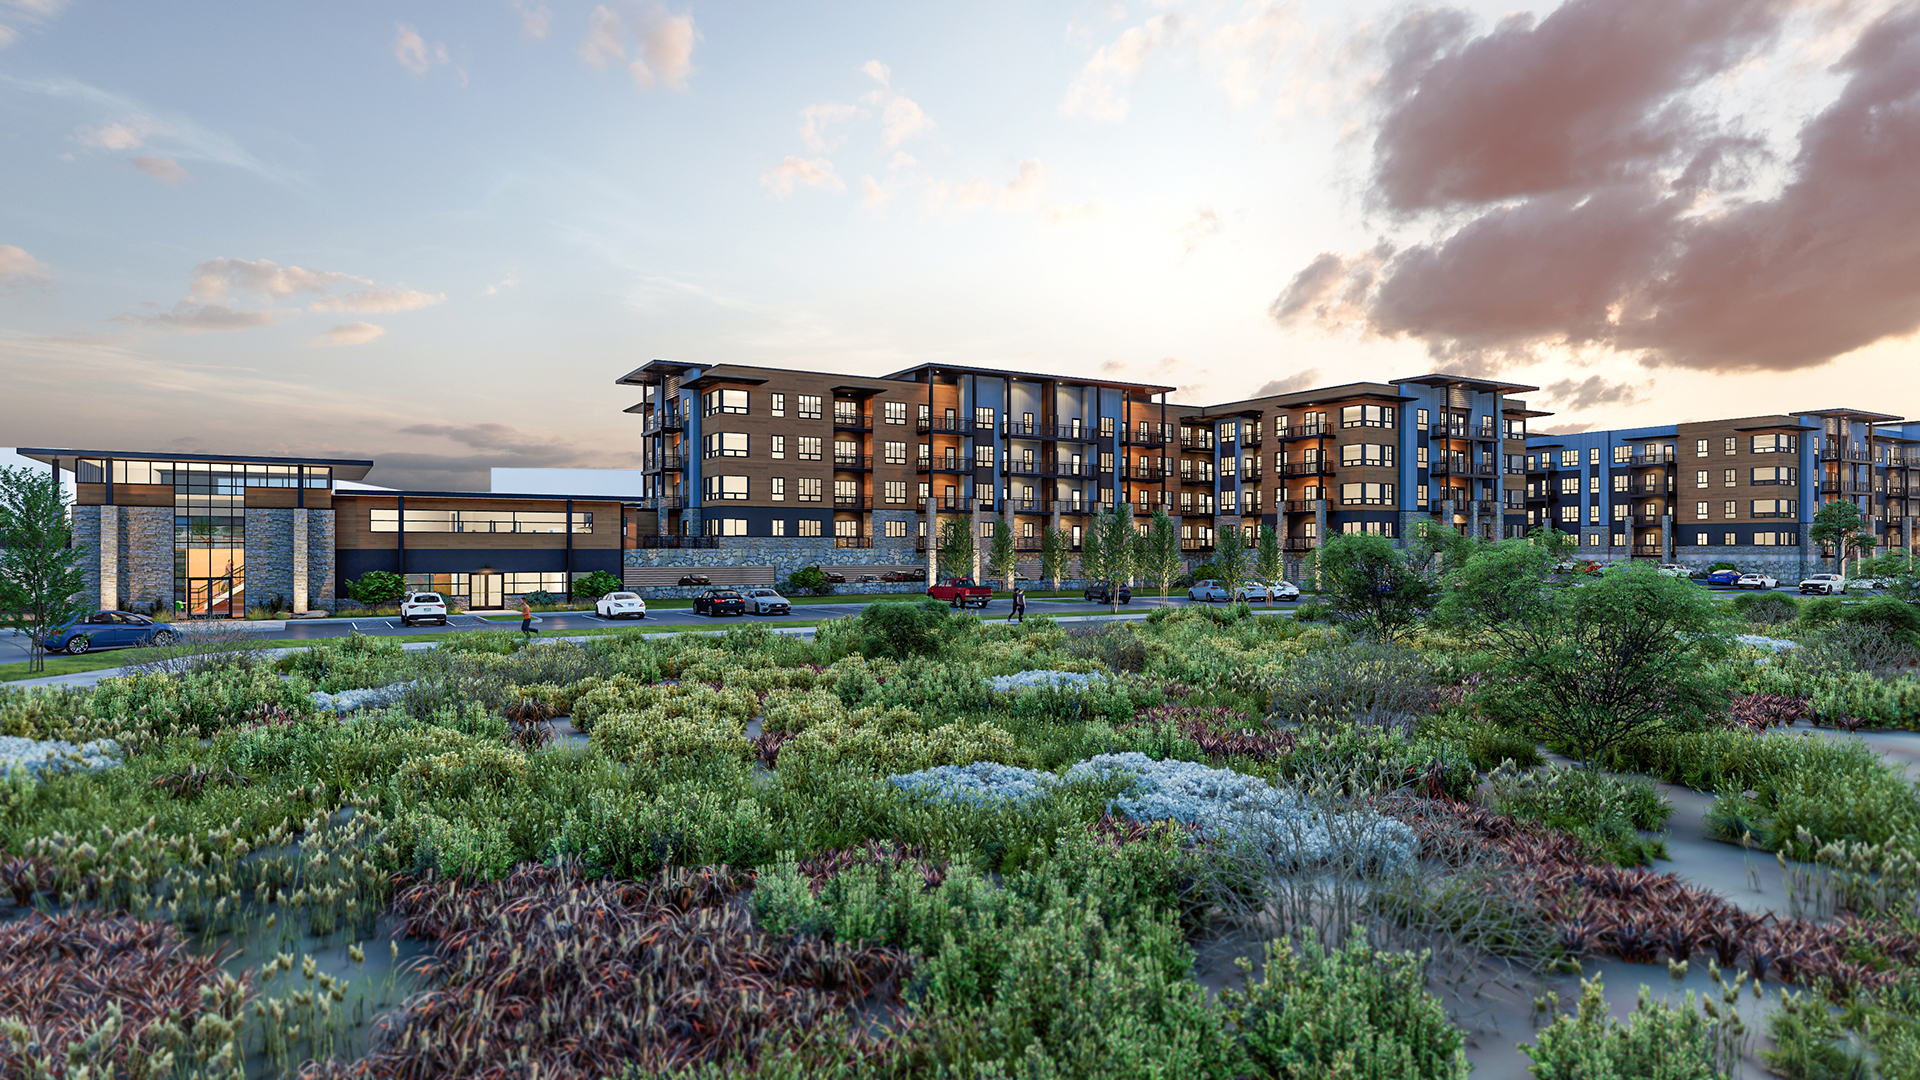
(434, 233)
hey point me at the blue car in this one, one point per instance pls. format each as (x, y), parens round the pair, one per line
(109, 630)
(1723, 577)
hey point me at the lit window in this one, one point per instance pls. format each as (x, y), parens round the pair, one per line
(809, 490)
(808, 527)
(727, 487)
(779, 527)
(726, 444)
(896, 412)
(809, 447)
(725, 401)
(896, 528)
(778, 407)
(777, 489)
(779, 446)
(809, 406)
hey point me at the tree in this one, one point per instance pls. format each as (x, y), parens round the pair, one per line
(1230, 558)
(1270, 560)
(956, 547)
(1107, 550)
(41, 574)
(597, 584)
(1588, 666)
(1055, 548)
(377, 587)
(1839, 525)
(1158, 558)
(1002, 559)
(1374, 586)
(1897, 573)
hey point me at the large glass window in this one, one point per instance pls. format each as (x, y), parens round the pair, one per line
(439, 520)
(1366, 454)
(724, 401)
(726, 487)
(726, 444)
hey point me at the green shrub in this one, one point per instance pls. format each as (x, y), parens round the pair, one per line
(1311, 611)
(1809, 1042)
(1659, 1042)
(597, 584)
(377, 587)
(1898, 618)
(1818, 612)
(1605, 810)
(1485, 744)
(1766, 609)
(1348, 1012)
(808, 579)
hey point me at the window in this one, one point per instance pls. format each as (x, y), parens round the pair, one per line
(1732, 477)
(1366, 494)
(1700, 510)
(809, 491)
(1619, 539)
(896, 453)
(1700, 448)
(724, 401)
(1366, 454)
(1728, 539)
(726, 526)
(1767, 508)
(1361, 416)
(779, 449)
(1700, 478)
(1227, 465)
(1732, 445)
(1106, 427)
(1593, 539)
(778, 406)
(986, 530)
(1729, 509)
(1774, 444)
(1620, 481)
(896, 529)
(896, 491)
(1776, 475)
(1367, 528)
(846, 412)
(779, 527)
(1622, 455)
(926, 492)
(1419, 417)
(1782, 539)
(983, 455)
(808, 406)
(481, 521)
(1700, 538)
(1593, 485)
(896, 412)
(1228, 503)
(1619, 511)
(982, 418)
(809, 447)
(1420, 495)
(726, 444)
(846, 453)
(777, 489)
(726, 487)
(1569, 485)
(846, 491)
(1593, 456)
(1420, 457)
(1570, 515)
(1569, 459)
(808, 527)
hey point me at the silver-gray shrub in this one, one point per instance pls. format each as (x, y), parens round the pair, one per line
(1363, 683)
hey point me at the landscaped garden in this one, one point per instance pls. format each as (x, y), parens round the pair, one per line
(1470, 806)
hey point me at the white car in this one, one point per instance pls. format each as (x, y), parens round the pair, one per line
(1675, 570)
(1824, 584)
(1210, 591)
(1869, 584)
(1284, 590)
(767, 602)
(1757, 581)
(1253, 592)
(620, 605)
(423, 607)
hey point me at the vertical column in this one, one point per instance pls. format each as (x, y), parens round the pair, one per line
(109, 557)
(1473, 518)
(1447, 510)
(1006, 515)
(300, 561)
(1666, 536)
(933, 542)
(973, 524)
(1320, 533)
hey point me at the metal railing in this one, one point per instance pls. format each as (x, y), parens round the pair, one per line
(943, 427)
(856, 502)
(853, 462)
(1304, 431)
(1297, 543)
(852, 422)
(664, 420)
(1133, 437)
(676, 541)
(1188, 477)
(1306, 468)
(864, 540)
(664, 463)
(944, 465)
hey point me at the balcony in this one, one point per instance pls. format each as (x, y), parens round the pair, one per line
(865, 540)
(949, 464)
(1024, 506)
(1197, 442)
(1135, 437)
(658, 502)
(1299, 506)
(1297, 543)
(1773, 514)
(1250, 436)
(1188, 543)
(663, 421)
(676, 541)
(1252, 472)
(1306, 468)
(852, 422)
(1649, 551)
(1195, 478)
(1854, 452)
(853, 463)
(1304, 431)
(1649, 461)
(851, 503)
(1021, 429)
(943, 426)
(1152, 473)
(1197, 510)
(1069, 467)
(958, 504)
(664, 463)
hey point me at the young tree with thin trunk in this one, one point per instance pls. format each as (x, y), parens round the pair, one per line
(1840, 525)
(1230, 559)
(1269, 560)
(1055, 548)
(1160, 560)
(1107, 550)
(955, 557)
(1002, 558)
(41, 574)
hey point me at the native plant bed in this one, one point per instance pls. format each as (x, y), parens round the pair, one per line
(919, 845)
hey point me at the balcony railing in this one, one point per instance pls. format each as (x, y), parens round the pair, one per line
(1649, 551)
(1146, 472)
(850, 502)
(863, 541)
(943, 427)
(852, 422)
(1135, 437)
(664, 463)
(1188, 543)
(945, 465)
(1250, 436)
(1251, 472)
(664, 420)
(676, 541)
(1300, 506)
(1304, 431)
(1297, 543)
(958, 504)
(1846, 453)
(1196, 442)
(1020, 429)
(1195, 478)
(1306, 468)
(852, 462)
(658, 502)
(1647, 461)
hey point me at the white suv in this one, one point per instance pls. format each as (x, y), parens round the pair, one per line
(1824, 584)
(423, 607)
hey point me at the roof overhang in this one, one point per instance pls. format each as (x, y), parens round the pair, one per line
(1483, 385)
(343, 468)
(1854, 414)
(912, 374)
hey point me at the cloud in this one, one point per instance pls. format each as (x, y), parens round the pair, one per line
(376, 300)
(8, 35)
(872, 193)
(1075, 214)
(1020, 193)
(1204, 226)
(413, 52)
(662, 50)
(212, 278)
(358, 333)
(1637, 229)
(878, 71)
(1581, 99)
(187, 317)
(182, 138)
(18, 269)
(814, 121)
(535, 21)
(1594, 390)
(39, 9)
(120, 135)
(1290, 384)
(1096, 92)
(512, 280)
(160, 168)
(818, 172)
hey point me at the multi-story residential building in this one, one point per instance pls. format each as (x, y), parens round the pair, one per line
(1740, 490)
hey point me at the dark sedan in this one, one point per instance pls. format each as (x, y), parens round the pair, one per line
(1097, 594)
(720, 602)
(695, 579)
(109, 630)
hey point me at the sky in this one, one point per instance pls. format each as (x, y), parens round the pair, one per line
(433, 234)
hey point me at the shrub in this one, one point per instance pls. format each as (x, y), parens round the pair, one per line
(808, 579)
(1899, 619)
(1368, 683)
(1309, 611)
(1818, 612)
(377, 587)
(1767, 609)
(1809, 1042)
(1659, 1042)
(1349, 1012)
(540, 598)
(597, 584)
(1606, 811)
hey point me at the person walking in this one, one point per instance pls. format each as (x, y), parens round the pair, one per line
(526, 619)
(1019, 612)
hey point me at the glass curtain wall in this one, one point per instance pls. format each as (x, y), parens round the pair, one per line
(209, 540)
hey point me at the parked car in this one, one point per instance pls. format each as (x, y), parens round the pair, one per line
(917, 575)
(832, 578)
(895, 575)
(1097, 594)
(961, 592)
(695, 579)
(1867, 584)
(867, 579)
(620, 605)
(423, 607)
(1210, 591)
(1675, 570)
(764, 601)
(1823, 585)
(1284, 590)
(1259, 592)
(720, 602)
(109, 630)
(1723, 577)
(1757, 581)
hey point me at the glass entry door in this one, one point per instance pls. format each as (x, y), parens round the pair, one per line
(486, 590)
(215, 598)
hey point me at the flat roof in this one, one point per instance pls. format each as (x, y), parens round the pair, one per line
(1302, 398)
(1438, 379)
(1854, 414)
(343, 468)
(1004, 373)
(363, 493)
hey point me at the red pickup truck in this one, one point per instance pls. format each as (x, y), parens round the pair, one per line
(961, 592)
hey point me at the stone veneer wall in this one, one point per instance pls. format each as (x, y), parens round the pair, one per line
(270, 556)
(787, 554)
(143, 561)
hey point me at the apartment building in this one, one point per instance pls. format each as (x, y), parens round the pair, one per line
(1742, 490)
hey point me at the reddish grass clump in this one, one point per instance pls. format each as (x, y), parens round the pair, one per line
(555, 974)
(1762, 711)
(1220, 732)
(1640, 915)
(62, 976)
(817, 869)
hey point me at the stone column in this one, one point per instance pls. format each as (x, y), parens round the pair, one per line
(109, 558)
(1666, 538)
(1447, 512)
(973, 526)
(1006, 515)
(933, 542)
(300, 561)
(1473, 518)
